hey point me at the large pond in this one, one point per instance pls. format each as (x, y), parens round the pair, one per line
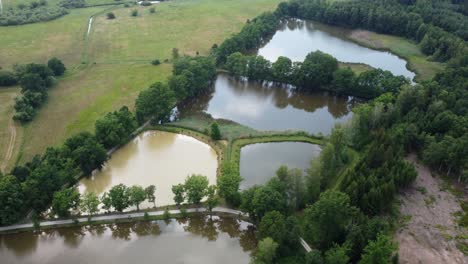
(154, 157)
(259, 162)
(296, 38)
(195, 240)
(270, 107)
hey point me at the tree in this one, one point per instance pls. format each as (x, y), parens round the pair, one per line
(64, 201)
(85, 151)
(89, 203)
(215, 133)
(110, 15)
(150, 190)
(314, 257)
(282, 70)
(119, 197)
(106, 201)
(179, 193)
(343, 80)
(57, 66)
(115, 128)
(175, 53)
(228, 183)
(212, 199)
(136, 196)
(273, 225)
(267, 199)
(266, 251)
(7, 78)
(155, 102)
(327, 219)
(337, 255)
(195, 187)
(316, 70)
(134, 13)
(11, 200)
(380, 251)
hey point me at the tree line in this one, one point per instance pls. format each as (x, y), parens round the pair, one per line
(119, 197)
(32, 186)
(34, 79)
(388, 17)
(37, 11)
(319, 71)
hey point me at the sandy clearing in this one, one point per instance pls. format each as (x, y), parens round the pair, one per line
(428, 236)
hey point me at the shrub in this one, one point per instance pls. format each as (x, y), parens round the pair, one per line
(146, 3)
(110, 15)
(134, 13)
(7, 78)
(57, 66)
(152, 10)
(156, 62)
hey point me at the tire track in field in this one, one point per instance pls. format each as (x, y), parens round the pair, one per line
(11, 144)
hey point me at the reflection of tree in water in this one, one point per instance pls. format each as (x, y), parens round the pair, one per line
(196, 104)
(96, 230)
(121, 231)
(21, 244)
(229, 225)
(72, 236)
(247, 239)
(202, 226)
(146, 228)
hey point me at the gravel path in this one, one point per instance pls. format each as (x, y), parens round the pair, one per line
(115, 217)
(429, 236)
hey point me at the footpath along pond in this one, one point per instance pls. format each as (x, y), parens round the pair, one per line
(193, 240)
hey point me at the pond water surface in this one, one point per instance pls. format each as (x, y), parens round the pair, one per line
(270, 107)
(297, 38)
(195, 240)
(259, 162)
(154, 157)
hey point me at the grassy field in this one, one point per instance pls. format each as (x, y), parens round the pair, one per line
(63, 38)
(118, 54)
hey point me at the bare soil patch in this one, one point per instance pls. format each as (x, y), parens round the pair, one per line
(430, 232)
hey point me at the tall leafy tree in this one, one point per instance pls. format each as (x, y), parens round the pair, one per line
(64, 201)
(195, 187)
(156, 103)
(11, 200)
(137, 195)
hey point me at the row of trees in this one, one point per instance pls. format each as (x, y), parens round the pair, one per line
(318, 71)
(194, 190)
(119, 198)
(36, 11)
(388, 17)
(34, 79)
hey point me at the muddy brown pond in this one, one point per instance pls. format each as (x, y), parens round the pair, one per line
(264, 107)
(195, 240)
(154, 157)
(297, 38)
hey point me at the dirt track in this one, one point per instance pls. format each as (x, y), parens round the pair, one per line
(11, 145)
(429, 235)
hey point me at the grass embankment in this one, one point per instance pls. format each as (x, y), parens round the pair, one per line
(235, 136)
(357, 68)
(407, 49)
(404, 48)
(118, 56)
